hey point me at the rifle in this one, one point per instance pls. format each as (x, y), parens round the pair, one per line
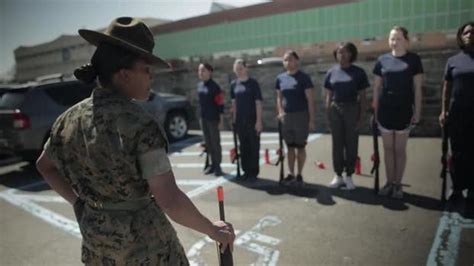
(444, 160)
(281, 155)
(204, 150)
(225, 259)
(236, 148)
(376, 156)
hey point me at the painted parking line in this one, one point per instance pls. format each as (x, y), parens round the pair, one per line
(253, 241)
(199, 153)
(67, 225)
(29, 203)
(267, 142)
(444, 250)
(12, 168)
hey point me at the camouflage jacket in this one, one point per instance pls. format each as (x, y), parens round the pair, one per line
(95, 145)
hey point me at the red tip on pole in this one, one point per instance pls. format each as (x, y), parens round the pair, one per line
(220, 193)
(267, 157)
(358, 166)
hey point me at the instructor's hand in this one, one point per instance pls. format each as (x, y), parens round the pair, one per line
(224, 234)
(258, 127)
(281, 116)
(442, 119)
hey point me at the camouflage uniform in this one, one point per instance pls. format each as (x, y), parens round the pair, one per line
(95, 145)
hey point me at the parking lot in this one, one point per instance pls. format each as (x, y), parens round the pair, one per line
(275, 225)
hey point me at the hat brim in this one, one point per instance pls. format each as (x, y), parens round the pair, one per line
(95, 38)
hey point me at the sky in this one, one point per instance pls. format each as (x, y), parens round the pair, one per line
(31, 22)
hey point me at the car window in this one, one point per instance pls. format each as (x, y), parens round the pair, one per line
(68, 93)
(12, 99)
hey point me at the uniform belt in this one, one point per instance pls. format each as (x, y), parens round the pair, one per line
(129, 205)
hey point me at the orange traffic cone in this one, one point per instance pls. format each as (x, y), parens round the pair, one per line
(267, 157)
(320, 165)
(358, 167)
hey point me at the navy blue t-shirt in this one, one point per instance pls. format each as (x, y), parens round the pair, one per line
(245, 94)
(211, 100)
(345, 83)
(460, 71)
(293, 88)
(397, 76)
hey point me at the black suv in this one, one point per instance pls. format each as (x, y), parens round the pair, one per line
(28, 111)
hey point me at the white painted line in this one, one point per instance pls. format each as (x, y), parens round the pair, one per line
(193, 182)
(262, 135)
(198, 165)
(41, 198)
(198, 153)
(57, 220)
(26, 203)
(444, 250)
(195, 250)
(210, 185)
(311, 137)
(266, 255)
(11, 168)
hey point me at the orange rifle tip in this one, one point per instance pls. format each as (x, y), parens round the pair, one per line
(220, 193)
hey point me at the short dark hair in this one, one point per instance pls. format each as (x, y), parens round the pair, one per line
(292, 53)
(350, 47)
(403, 30)
(208, 66)
(459, 34)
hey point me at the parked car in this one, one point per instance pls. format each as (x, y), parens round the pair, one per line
(27, 112)
(173, 111)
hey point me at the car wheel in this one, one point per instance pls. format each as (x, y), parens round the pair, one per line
(176, 126)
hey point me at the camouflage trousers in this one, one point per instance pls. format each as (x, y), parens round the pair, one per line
(140, 237)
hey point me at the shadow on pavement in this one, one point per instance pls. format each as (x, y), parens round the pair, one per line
(325, 195)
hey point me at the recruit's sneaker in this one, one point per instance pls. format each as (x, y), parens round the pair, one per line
(251, 178)
(218, 171)
(386, 189)
(288, 179)
(455, 201)
(397, 192)
(209, 170)
(298, 181)
(336, 182)
(349, 183)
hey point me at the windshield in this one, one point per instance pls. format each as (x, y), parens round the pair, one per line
(12, 100)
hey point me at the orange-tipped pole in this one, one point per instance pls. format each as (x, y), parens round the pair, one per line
(220, 193)
(225, 259)
(358, 166)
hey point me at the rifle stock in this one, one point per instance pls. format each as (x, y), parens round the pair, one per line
(375, 167)
(281, 156)
(236, 147)
(444, 161)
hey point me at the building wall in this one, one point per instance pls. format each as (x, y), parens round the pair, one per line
(365, 19)
(62, 55)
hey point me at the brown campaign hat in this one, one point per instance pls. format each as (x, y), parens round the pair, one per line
(129, 33)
